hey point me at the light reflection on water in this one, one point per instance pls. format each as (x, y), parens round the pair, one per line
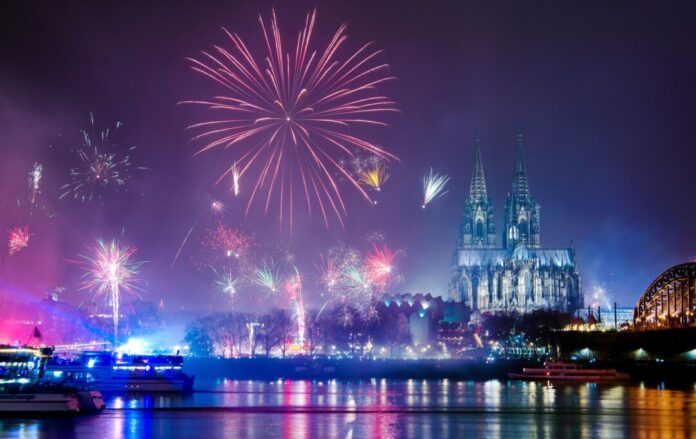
(382, 408)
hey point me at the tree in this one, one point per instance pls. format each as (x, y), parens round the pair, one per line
(539, 324)
(315, 330)
(285, 326)
(274, 332)
(198, 338)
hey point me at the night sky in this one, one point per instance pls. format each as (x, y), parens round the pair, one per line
(602, 91)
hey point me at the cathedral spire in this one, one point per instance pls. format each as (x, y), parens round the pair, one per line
(477, 190)
(520, 184)
(478, 226)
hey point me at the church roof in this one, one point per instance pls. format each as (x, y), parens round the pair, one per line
(562, 257)
(477, 190)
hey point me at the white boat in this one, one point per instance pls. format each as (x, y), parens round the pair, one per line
(41, 403)
(22, 389)
(562, 371)
(112, 372)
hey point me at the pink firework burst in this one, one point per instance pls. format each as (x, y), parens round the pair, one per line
(17, 239)
(232, 243)
(110, 272)
(291, 119)
(380, 265)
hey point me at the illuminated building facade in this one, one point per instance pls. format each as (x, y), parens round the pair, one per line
(520, 276)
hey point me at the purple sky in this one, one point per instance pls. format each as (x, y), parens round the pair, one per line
(603, 93)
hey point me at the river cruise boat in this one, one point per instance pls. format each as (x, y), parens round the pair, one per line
(113, 372)
(23, 388)
(562, 371)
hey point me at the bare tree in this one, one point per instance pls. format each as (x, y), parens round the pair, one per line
(315, 330)
(238, 331)
(268, 333)
(286, 329)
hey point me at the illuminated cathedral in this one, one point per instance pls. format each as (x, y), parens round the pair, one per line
(520, 276)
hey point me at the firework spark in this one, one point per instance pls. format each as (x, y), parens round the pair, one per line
(100, 165)
(232, 243)
(17, 239)
(350, 278)
(343, 278)
(267, 277)
(292, 117)
(293, 286)
(235, 179)
(227, 282)
(110, 272)
(380, 265)
(330, 273)
(433, 187)
(35, 176)
(598, 295)
(375, 176)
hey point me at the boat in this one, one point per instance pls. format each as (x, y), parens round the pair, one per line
(562, 371)
(115, 372)
(24, 390)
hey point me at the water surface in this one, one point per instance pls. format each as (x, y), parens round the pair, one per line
(383, 408)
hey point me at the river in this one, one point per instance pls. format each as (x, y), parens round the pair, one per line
(382, 408)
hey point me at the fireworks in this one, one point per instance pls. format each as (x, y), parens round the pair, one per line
(293, 286)
(227, 282)
(232, 243)
(35, 176)
(100, 165)
(235, 179)
(17, 239)
(380, 265)
(267, 277)
(375, 176)
(109, 272)
(433, 187)
(349, 278)
(292, 117)
(330, 275)
(597, 295)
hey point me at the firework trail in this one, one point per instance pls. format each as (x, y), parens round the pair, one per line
(235, 179)
(214, 207)
(100, 165)
(375, 176)
(267, 277)
(35, 176)
(227, 282)
(110, 272)
(433, 187)
(17, 239)
(293, 286)
(293, 116)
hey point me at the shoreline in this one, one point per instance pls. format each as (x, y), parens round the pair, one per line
(263, 368)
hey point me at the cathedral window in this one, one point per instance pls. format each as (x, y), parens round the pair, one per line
(479, 229)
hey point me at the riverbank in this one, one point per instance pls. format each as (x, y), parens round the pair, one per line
(352, 368)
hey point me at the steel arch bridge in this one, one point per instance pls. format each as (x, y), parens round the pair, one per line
(669, 301)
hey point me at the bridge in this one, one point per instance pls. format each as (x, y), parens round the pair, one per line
(669, 301)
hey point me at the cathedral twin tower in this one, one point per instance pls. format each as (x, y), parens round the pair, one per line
(520, 276)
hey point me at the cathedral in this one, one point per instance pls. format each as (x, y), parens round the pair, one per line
(520, 276)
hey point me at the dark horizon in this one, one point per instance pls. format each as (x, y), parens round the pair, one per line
(602, 93)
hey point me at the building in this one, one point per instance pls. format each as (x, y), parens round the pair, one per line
(520, 276)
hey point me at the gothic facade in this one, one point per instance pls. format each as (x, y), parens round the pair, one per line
(520, 276)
